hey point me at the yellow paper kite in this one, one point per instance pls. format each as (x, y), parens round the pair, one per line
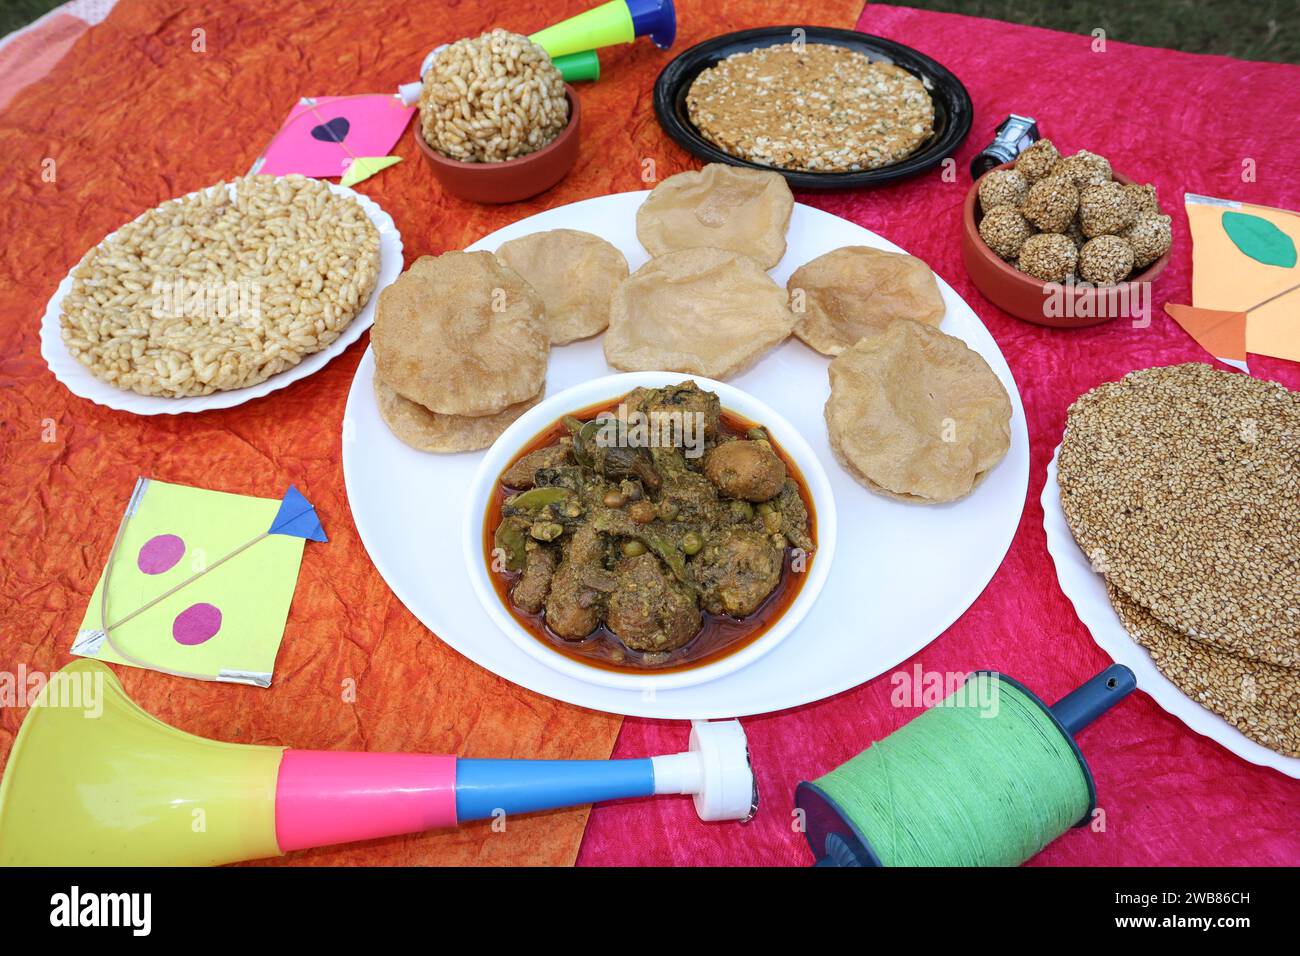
(198, 583)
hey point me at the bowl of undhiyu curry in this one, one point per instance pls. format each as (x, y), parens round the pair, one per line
(649, 530)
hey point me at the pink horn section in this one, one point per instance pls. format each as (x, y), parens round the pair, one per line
(325, 796)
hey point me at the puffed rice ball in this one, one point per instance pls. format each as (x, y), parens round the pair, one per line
(1084, 168)
(1105, 210)
(1051, 203)
(1048, 256)
(1150, 238)
(1144, 199)
(1005, 230)
(1037, 161)
(1002, 187)
(492, 98)
(1105, 260)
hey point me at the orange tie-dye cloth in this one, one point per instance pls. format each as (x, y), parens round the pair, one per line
(132, 116)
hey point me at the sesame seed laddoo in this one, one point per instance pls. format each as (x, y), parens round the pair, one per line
(1037, 161)
(1105, 260)
(1048, 256)
(1105, 210)
(1005, 230)
(1150, 238)
(1002, 187)
(1075, 233)
(1144, 199)
(1051, 203)
(1084, 169)
(1077, 199)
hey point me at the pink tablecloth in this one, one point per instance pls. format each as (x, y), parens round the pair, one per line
(1185, 123)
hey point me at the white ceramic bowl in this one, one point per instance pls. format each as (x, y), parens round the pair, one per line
(536, 419)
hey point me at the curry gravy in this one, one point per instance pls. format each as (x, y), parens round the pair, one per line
(719, 635)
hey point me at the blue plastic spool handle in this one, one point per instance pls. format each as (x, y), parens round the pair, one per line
(1081, 706)
(656, 19)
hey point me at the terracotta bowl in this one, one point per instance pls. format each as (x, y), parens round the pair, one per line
(1060, 306)
(513, 179)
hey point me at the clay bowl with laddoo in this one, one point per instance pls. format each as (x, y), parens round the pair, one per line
(1062, 306)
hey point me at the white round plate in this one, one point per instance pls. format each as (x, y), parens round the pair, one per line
(1086, 590)
(80, 382)
(902, 573)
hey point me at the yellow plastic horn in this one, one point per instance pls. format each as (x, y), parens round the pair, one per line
(95, 780)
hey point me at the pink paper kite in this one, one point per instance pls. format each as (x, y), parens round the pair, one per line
(324, 134)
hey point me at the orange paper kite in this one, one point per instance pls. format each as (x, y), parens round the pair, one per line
(1245, 280)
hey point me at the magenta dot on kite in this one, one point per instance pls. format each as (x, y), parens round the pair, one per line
(196, 624)
(160, 553)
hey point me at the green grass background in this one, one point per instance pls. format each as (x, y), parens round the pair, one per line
(1248, 29)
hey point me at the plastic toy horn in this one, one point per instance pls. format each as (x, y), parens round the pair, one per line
(572, 43)
(95, 780)
(619, 21)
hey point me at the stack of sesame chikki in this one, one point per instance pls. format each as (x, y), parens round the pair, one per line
(1182, 485)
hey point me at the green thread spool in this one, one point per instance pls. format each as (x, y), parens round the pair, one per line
(965, 783)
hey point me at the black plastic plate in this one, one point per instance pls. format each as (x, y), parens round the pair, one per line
(953, 112)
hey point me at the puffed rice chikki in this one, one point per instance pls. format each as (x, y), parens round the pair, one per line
(223, 288)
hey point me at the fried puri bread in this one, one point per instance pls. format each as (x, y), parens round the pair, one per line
(916, 414)
(841, 296)
(424, 430)
(703, 312)
(719, 207)
(574, 272)
(461, 334)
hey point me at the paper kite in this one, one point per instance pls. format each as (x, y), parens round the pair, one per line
(1245, 280)
(347, 136)
(199, 583)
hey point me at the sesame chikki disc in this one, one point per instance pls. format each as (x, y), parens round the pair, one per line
(1182, 485)
(819, 107)
(1261, 700)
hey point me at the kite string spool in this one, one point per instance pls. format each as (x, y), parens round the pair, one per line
(986, 778)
